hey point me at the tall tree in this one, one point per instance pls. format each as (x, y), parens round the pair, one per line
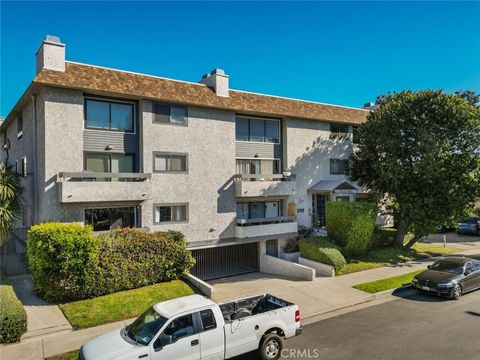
(422, 151)
(10, 201)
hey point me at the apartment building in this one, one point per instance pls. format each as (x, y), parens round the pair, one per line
(236, 172)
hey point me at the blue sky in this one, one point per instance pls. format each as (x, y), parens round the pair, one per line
(341, 53)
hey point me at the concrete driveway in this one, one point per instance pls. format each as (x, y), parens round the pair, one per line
(313, 297)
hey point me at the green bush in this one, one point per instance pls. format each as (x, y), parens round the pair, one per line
(68, 262)
(131, 258)
(351, 225)
(13, 318)
(384, 237)
(321, 249)
(291, 245)
(63, 260)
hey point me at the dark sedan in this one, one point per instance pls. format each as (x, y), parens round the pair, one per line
(450, 276)
(470, 225)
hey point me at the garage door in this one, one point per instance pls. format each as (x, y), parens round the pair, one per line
(222, 261)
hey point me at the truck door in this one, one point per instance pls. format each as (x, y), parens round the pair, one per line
(241, 336)
(211, 335)
(180, 340)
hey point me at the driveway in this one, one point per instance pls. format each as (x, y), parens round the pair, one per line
(313, 297)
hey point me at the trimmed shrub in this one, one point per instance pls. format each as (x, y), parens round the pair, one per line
(321, 249)
(131, 258)
(351, 225)
(63, 259)
(13, 318)
(68, 262)
(384, 237)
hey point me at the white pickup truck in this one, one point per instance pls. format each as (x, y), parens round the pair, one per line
(194, 327)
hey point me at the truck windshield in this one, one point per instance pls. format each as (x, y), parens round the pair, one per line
(146, 326)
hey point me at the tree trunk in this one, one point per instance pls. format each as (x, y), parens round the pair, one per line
(401, 231)
(413, 241)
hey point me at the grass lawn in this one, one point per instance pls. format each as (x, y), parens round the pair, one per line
(72, 355)
(121, 305)
(388, 255)
(388, 283)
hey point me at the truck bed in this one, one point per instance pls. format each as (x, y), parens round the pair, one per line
(253, 305)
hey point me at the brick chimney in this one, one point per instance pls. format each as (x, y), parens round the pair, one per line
(51, 54)
(217, 80)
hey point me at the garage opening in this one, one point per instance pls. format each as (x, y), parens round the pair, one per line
(222, 261)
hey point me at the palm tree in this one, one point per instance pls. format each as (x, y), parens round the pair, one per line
(11, 200)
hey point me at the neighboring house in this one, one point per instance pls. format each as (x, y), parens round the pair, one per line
(236, 172)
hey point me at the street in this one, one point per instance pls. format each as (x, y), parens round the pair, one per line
(415, 326)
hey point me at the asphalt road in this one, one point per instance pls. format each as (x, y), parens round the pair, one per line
(415, 326)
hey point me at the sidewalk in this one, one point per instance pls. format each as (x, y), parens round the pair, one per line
(315, 298)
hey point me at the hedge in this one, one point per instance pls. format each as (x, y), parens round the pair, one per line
(63, 259)
(68, 262)
(323, 250)
(351, 225)
(13, 318)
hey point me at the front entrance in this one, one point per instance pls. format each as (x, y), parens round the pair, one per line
(319, 210)
(223, 261)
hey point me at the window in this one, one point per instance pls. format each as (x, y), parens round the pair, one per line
(338, 131)
(165, 114)
(258, 210)
(180, 327)
(105, 219)
(4, 138)
(208, 320)
(338, 167)
(21, 167)
(257, 130)
(109, 163)
(171, 213)
(355, 134)
(169, 162)
(342, 198)
(19, 126)
(109, 115)
(256, 166)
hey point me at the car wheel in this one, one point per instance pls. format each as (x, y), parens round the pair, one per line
(456, 292)
(270, 347)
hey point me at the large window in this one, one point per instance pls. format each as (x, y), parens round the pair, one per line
(338, 131)
(338, 167)
(257, 166)
(109, 163)
(258, 210)
(106, 219)
(171, 213)
(109, 115)
(165, 114)
(257, 130)
(19, 126)
(355, 134)
(170, 162)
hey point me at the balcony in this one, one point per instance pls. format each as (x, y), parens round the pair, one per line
(252, 228)
(87, 187)
(260, 185)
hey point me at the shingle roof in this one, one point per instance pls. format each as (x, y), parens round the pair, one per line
(93, 78)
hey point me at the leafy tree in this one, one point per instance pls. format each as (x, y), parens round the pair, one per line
(421, 150)
(10, 201)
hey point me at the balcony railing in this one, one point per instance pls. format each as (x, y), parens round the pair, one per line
(265, 227)
(264, 177)
(89, 187)
(94, 176)
(263, 221)
(255, 185)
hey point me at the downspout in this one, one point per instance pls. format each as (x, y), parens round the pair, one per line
(35, 163)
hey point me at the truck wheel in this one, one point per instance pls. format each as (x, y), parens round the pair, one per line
(270, 347)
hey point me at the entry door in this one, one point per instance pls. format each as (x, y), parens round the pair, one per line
(320, 210)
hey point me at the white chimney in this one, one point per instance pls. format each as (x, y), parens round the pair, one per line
(216, 80)
(51, 54)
